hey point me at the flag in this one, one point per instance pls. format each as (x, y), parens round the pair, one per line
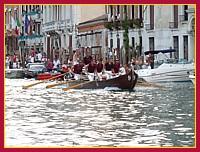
(31, 27)
(27, 23)
(18, 23)
(13, 23)
(16, 30)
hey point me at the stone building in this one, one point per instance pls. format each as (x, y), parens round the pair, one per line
(59, 30)
(154, 27)
(23, 39)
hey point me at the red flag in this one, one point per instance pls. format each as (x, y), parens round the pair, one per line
(16, 31)
(31, 27)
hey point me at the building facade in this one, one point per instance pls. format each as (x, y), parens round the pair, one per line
(158, 27)
(23, 39)
(59, 30)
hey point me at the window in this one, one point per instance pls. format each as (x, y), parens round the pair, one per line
(118, 9)
(22, 32)
(185, 47)
(132, 11)
(111, 44)
(125, 8)
(34, 29)
(26, 8)
(140, 11)
(111, 11)
(176, 54)
(22, 9)
(185, 12)
(151, 43)
(39, 29)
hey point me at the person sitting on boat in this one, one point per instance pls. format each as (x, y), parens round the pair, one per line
(77, 70)
(49, 65)
(57, 69)
(122, 70)
(75, 57)
(109, 68)
(139, 63)
(99, 68)
(151, 60)
(64, 68)
(87, 58)
(126, 67)
(134, 62)
(116, 67)
(45, 70)
(56, 62)
(91, 70)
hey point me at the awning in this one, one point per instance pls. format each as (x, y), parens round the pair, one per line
(158, 51)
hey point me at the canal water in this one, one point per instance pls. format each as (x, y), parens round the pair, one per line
(147, 116)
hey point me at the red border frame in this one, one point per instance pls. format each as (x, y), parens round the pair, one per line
(92, 149)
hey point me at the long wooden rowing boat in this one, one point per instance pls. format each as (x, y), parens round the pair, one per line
(127, 81)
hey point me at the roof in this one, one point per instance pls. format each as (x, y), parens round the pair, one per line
(102, 17)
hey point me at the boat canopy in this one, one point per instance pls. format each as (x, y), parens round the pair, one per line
(158, 51)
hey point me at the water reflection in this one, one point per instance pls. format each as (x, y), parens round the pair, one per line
(146, 117)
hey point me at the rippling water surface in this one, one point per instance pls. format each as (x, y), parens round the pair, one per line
(145, 117)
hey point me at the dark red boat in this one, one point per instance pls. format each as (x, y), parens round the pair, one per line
(45, 76)
(127, 81)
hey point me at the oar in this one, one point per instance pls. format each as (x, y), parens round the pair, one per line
(75, 86)
(57, 84)
(28, 86)
(142, 83)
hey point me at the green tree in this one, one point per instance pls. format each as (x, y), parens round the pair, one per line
(125, 26)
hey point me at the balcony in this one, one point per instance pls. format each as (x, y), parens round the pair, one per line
(149, 26)
(35, 15)
(50, 26)
(173, 25)
(183, 18)
(31, 40)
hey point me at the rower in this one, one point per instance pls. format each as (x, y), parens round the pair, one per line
(109, 68)
(100, 68)
(91, 70)
(77, 70)
(116, 67)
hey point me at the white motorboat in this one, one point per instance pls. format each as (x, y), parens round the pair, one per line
(14, 73)
(176, 71)
(192, 78)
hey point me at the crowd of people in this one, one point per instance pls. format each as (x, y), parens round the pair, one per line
(76, 68)
(12, 61)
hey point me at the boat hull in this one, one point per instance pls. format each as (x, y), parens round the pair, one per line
(14, 73)
(167, 73)
(45, 76)
(127, 81)
(192, 78)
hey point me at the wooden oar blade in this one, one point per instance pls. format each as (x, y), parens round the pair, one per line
(75, 86)
(150, 85)
(28, 86)
(146, 84)
(57, 84)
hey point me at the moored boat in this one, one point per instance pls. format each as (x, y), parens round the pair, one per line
(14, 73)
(171, 71)
(127, 81)
(33, 69)
(192, 78)
(45, 76)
